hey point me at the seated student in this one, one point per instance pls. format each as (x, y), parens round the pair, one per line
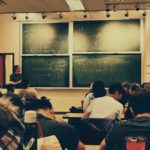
(27, 92)
(64, 132)
(134, 87)
(107, 106)
(127, 110)
(16, 77)
(14, 98)
(11, 130)
(97, 90)
(139, 126)
(1, 94)
(146, 85)
(10, 91)
(126, 93)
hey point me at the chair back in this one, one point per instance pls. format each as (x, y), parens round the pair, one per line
(137, 143)
(92, 131)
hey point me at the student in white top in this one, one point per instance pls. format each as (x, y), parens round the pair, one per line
(97, 90)
(107, 106)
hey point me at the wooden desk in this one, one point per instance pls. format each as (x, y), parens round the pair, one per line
(73, 116)
(79, 115)
(91, 147)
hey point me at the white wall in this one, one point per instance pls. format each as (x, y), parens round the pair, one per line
(9, 39)
(63, 99)
(146, 51)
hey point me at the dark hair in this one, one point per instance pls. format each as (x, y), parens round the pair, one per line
(6, 117)
(42, 103)
(126, 85)
(98, 89)
(114, 87)
(140, 101)
(146, 85)
(134, 87)
(15, 67)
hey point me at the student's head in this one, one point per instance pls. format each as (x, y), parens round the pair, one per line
(146, 85)
(98, 89)
(116, 90)
(134, 87)
(10, 87)
(25, 83)
(44, 106)
(16, 69)
(126, 86)
(140, 101)
(6, 115)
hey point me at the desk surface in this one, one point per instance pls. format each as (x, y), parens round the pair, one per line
(92, 147)
(79, 115)
(73, 115)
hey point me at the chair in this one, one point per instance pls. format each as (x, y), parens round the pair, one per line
(137, 143)
(92, 131)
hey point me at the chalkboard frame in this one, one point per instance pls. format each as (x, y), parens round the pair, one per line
(71, 52)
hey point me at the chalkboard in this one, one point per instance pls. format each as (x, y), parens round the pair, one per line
(107, 36)
(45, 38)
(107, 67)
(46, 71)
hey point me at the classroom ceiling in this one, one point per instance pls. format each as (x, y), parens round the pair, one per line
(35, 6)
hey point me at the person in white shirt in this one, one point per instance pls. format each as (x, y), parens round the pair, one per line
(97, 90)
(107, 106)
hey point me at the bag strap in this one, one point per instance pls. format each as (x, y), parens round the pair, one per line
(40, 130)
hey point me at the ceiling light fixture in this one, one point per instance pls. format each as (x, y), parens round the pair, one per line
(144, 13)
(114, 7)
(27, 17)
(60, 15)
(137, 7)
(85, 14)
(44, 16)
(14, 16)
(108, 14)
(107, 11)
(126, 14)
(75, 5)
(107, 8)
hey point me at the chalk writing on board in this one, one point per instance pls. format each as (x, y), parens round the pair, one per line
(49, 71)
(45, 38)
(98, 36)
(109, 68)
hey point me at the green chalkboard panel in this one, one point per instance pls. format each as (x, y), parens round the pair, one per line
(107, 36)
(45, 38)
(107, 67)
(46, 71)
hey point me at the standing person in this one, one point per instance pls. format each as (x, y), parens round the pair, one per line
(16, 77)
(97, 90)
(136, 127)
